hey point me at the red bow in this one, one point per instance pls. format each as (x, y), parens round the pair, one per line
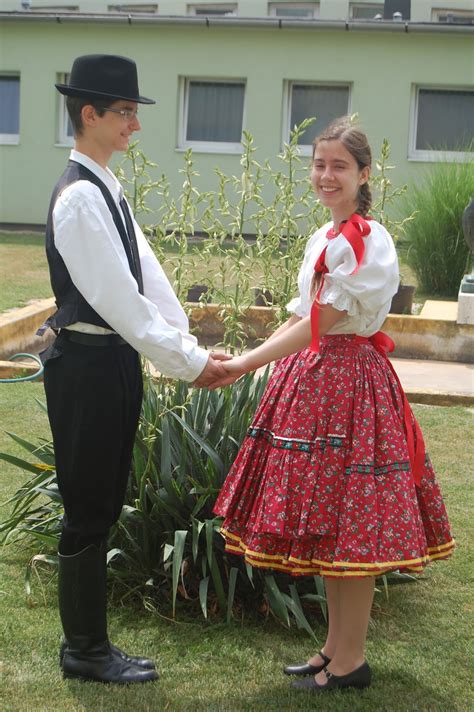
(354, 230)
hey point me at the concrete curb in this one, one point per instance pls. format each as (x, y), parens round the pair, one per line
(18, 328)
(439, 398)
(8, 369)
(416, 337)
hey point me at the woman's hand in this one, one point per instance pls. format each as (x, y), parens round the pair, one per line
(235, 368)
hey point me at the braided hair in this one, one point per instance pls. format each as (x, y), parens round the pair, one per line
(355, 141)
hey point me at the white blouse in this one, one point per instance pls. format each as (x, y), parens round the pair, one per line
(365, 295)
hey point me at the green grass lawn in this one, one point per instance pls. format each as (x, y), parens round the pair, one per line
(23, 270)
(418, 642)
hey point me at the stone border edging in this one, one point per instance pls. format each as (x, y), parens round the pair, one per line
(18, 328)
(414, 336)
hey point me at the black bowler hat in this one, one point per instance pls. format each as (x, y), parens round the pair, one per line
(104, 75)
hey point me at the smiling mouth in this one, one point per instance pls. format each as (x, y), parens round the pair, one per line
(326, 189)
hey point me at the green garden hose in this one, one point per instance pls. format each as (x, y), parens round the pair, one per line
(33, 376)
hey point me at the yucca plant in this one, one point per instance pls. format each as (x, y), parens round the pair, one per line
(166, 548)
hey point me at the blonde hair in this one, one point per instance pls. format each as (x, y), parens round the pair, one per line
(355, 141)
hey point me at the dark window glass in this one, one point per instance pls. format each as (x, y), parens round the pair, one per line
(215, 111)
(445, 120)
(326, 103)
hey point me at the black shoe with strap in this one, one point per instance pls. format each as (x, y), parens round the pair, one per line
(88, 654)
(307, 668)
(359, 678)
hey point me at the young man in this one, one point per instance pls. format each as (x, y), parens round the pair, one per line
(113, 302)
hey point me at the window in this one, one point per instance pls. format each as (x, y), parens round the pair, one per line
(366, 11)
(54, 8)
(458, 17)
(212, 114)
(141, 7)
(65, 134)
(302, 10)
(9, 108)
(442, 122)
(215, 9)
(324, 101)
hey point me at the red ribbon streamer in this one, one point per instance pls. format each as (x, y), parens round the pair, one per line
(416, 450)
(354, 230)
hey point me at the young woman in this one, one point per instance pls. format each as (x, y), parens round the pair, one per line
(333, 478)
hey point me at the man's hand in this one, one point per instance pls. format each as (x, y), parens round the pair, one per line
(213, 370)
(234, 369)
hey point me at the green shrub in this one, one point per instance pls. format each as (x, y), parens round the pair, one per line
(434, 242)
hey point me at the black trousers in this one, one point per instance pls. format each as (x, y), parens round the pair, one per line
(94, 396)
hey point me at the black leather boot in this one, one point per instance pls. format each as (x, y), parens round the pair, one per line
(82, 603)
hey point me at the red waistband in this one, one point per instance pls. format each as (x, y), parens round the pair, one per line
(381, 341)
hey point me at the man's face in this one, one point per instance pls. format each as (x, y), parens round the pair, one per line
(114, 129)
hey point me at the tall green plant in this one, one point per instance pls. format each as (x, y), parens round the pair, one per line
(385, 194)
(247, 241)
(433, 239)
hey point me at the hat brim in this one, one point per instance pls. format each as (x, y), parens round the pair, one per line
(76, 91)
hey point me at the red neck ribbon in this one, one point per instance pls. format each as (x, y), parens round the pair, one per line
(354, 230)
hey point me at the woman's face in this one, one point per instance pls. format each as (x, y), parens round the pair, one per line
(336, 178)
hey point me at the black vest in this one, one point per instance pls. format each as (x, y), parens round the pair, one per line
(71, 305)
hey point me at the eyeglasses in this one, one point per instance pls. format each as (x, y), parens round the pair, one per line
(127, 114)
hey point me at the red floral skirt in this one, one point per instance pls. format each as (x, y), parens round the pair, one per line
(322, 483)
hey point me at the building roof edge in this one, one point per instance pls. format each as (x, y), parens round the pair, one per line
(405, 26)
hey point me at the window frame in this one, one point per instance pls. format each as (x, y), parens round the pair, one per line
(231, 12)
(377, 8)
(306, 149)
(206, 146)
(432, 156)
(12, 139)
(131, 8)
(275, 5)
(63, 138)
(436, 13)
(54, 8)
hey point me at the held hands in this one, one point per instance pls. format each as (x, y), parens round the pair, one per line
(234, 368)
(213, 370)
(220, 370)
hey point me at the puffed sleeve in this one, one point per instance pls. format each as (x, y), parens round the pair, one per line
(367, 289)
(301, 304)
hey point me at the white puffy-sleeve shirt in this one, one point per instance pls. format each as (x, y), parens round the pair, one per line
(154, 323)
(366, 295)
